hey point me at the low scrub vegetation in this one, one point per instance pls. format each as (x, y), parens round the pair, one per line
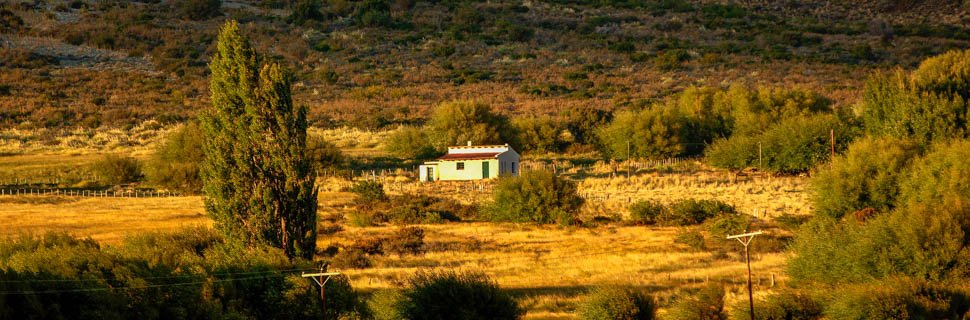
(535, 196)
(682, 213)
(617, 303)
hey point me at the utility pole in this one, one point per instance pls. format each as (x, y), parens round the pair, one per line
(761, 164)
(321, 279)
(745, 239)
(628, 157)
(832, 138)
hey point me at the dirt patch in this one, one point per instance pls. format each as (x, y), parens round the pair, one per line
(72, 56)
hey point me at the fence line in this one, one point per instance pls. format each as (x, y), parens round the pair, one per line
(87, 193)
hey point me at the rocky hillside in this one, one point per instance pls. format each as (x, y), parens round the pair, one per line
(375, 63)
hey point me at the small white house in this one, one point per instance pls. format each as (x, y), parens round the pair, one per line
(472, 163)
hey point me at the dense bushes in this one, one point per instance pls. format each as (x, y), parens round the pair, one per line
(188, 274)
(457, 122)
(654, 132)
(461, 295)
(324, 154)
(535, 196)
(617, 303)
(867, 176)
(175, 164)
(898, 299)
(681, 213)
(707, 304)
(784, 305)
(539, 135)
(114, 169)
(410, 143)
(368, 191)
(197, 9)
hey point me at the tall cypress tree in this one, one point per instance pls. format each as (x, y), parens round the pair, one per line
(258, 181)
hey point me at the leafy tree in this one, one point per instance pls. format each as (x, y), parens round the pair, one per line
(258, 179)
(175, 164)
(535, 196)
(942, 176)
(373, 13)
(892, 107)
(655, 132)
(583, 122)
(456, 122)
(867, 176)
(756, 111)
(410, 143)
(947, 74)
(538, 134)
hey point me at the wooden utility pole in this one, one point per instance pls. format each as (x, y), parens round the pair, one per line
(832, 139)
(745, 239)
(628, 157)
(321, 279)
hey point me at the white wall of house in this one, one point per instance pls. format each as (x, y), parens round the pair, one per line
(509, 163)
(472, 169)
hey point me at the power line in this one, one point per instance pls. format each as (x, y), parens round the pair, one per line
(272, 274)
(154, 278)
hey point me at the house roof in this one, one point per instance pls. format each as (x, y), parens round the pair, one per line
(470, 156)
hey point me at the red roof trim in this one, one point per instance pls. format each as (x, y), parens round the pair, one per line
(470, 156)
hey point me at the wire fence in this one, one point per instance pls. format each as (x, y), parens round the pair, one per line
(71, 192)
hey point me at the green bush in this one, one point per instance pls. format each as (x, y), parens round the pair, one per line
(175, 164)
(324, 154)
(942, 177)
(654, 132)
(384, 305)
(419, 209)
(410, 143)
(787, 305)
(583, 122)
(726, 224)
(197, 9)
(867, 176)
(539, 135)
(462, 295)
(616, 303)
(947, 74)
(891, 106)
(115, 170)
(738, 152)
(369, 191)
(691, 238)
(646, 212)
(898, 299)
(691, 212)
(535, 196)
(304, 11)
(707, 304)
(670, 60)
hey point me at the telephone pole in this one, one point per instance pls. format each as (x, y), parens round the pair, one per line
(321, 279)
(745, 240)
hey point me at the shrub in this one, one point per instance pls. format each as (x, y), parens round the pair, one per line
(456, 122)
(373, 13)
(691, 211)
(891, 106)
(785, 305)
(898, 299)
(646, 212)
(582, 123)
(708, 304)
(175, 164)
(691, 238)
(418, 209)
(947, 74)
(941, 177)
(540, 135)
(616, 303)
(197, 9)
(791, 222)
(867, 176)
(738, 152)
(410, 143)
(114, 169)
(304, 11)
(465, 295)
(404, 241)
(384, 305)
(727, 224)
(369, 191)
(324, 154)
(535, 196)
(670, 60)
(351, 258)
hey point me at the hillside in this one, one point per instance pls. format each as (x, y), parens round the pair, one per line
(372, 63)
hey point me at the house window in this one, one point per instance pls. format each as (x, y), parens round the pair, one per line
(513, 167)
(460, 166)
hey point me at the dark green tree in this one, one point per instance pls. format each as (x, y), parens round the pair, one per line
(456, 122)
(258, 179)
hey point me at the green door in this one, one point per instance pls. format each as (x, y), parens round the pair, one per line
(430, 174)
(485, 170)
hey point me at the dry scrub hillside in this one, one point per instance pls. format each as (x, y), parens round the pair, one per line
(366, 64)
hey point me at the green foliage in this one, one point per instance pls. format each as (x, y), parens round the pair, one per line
(114, 169)
(789, 305)
(189, 274)
(654, 132)
(738, 152)
(421, 209)
(681, 213)
(646, 212)
(867, 176)
(540, 135)
(462, 295)
(410, 143)
(727, 224)
(690, 238)
(947, 74)
(893, 105)
(941, 177)
(305, 11)
(535, 196)
(175, 163)
(616, 303)
(582, 123)
(707, 304)
(757, 110)
(898, 299)
(670, 60)
(384, 304)
(197, 9)
(258, 179)
(373, 13)
(456, 122)
(369, 191)
(324, 154)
